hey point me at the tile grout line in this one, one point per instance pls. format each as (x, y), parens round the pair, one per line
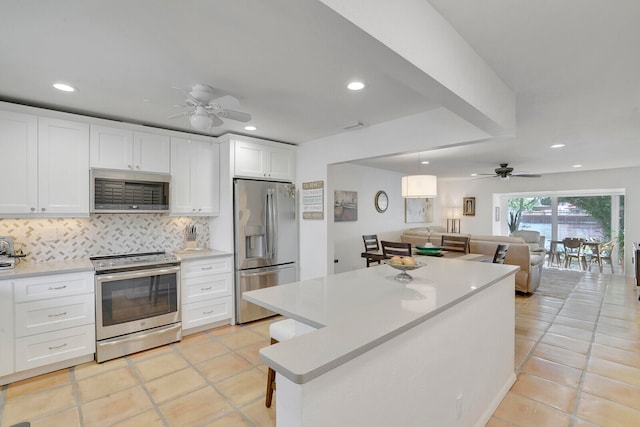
(76, 394)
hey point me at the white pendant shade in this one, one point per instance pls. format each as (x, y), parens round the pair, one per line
(419, 186)
(200, 121)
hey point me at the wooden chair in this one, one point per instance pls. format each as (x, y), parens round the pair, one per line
(501, 254)
(281, 331)
(554, 253)
(605, 252)
(573, 250)
(371, 245)
(390, 249)
(455, 243)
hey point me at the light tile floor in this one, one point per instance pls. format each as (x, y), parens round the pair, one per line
(577, 360)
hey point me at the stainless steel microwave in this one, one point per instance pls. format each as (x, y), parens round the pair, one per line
(115, 191)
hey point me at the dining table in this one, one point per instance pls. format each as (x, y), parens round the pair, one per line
(379, 256)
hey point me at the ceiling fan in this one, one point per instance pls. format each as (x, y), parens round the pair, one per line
(205, 110)
(505, 172)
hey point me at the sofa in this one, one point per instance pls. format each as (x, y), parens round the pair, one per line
(519, 253)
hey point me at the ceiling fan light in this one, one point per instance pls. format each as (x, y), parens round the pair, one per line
(419, 186)
(200, 122)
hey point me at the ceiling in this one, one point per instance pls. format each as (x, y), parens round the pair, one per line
(573, 65)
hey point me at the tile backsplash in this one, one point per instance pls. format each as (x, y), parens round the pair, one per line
(57, 239)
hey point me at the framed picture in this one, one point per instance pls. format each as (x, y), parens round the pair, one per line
(469, 206)
(418, 210)
(345, 206)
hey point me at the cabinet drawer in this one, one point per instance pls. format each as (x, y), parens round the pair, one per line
(206, 266)
(36, 288)
(206, 287)
(205, 312)
(44, 349)
(37, 317)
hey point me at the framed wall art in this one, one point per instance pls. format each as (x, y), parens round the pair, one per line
(469, 206)
(345, 207)
(418, 210)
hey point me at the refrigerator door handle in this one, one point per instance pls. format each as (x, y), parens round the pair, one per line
(265, 273)
(270, 221)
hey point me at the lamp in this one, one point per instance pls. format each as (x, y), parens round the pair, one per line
(200, 119)
(419, 186)
(453, 220)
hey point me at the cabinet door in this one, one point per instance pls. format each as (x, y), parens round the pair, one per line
(6, 328)
(63, 167)
(250, 160)
(19, 148)
(281, 164)
(181, 199)
(111, 148)
(151, 152)
(206, 177)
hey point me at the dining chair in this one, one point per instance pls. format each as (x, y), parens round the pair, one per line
(280, 331)
(606, 250)
(555, 253)
(455, 243)
(573, 250)
(501, 254)
(390, 249)
(371, 245)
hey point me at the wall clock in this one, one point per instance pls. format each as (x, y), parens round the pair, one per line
(381, 201)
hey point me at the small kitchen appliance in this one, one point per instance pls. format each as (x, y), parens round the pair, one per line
(7, 253)
(137, 303)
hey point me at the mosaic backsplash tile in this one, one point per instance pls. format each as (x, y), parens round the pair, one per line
(57, 239)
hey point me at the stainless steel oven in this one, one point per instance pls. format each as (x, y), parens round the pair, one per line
(137, 303)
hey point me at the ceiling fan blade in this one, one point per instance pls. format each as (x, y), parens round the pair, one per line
(526, 175)
(234, 115)
(226, 101)
(183, 114)
(215, 120)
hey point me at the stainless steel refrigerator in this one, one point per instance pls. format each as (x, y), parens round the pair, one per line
(266, 240)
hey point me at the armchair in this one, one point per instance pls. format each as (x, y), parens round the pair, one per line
(531, 238)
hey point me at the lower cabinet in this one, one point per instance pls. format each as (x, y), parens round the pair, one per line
(46, 320)
(206, 292)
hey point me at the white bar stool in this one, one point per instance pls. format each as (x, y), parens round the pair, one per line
(281, 331)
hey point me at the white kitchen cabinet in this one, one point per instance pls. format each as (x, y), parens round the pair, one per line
(19, 148)
(115, 148)
(195, 177)
(206, 292)
(48, 162)
(54, 319)
(6, 328)
(265, 160)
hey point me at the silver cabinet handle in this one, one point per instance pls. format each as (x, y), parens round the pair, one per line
(207, 268)
(57, 288)
(207, 312)
(130, 167)
(205, 289)
(58, 315)
(42, 209)
(33, 209)
(58, 346)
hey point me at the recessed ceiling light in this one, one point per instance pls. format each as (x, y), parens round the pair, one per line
(577, 166)
(250, 127)
(64, 87)
(355, 85)
(474, 174)
(558, 145)
(425, 162)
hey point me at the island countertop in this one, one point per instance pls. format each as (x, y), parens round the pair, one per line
(361, 309)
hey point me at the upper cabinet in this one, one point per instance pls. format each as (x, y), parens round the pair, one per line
(115, 148)
(263, 159)
(195, 177)
(48, 162)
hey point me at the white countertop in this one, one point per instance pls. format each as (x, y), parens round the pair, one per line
(188, 255)
(31, 269)
(361, 309)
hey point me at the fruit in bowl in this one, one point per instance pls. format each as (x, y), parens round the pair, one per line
(395, 260)
(408, 260)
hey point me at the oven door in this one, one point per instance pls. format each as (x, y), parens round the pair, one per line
(133, 301)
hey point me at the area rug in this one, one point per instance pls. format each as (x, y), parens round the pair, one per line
(558, 283)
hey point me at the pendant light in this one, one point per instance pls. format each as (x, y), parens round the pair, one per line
(419, 186)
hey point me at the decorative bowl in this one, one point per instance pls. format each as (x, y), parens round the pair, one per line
(404, 276)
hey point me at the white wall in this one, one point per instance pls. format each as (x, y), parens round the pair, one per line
(452, 191)
(346, 242)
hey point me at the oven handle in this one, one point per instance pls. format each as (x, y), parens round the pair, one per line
(160, 271)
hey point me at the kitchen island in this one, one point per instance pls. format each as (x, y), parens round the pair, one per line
(436, 351)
